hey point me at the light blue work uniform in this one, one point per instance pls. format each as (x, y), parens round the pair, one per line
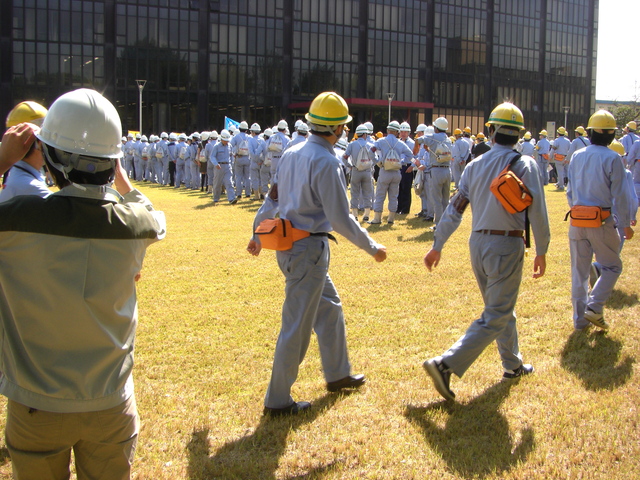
(597, 179)
(312, 195)
(221, 156)
(544, 152)
(497, 259)
(389, 180)
(361, 185)
(439, 174)
(242, 163)
(24, 180)
(561, 146)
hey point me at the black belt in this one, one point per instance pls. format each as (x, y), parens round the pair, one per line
(440, 166)
(324, 234)
(503, 233)
(223, 163)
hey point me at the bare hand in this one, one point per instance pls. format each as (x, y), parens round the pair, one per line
(254, 248)
(432, 259)
(628, 233)
(381, 254)
(121, 182)
(539, 266)
(410, 169)
(218, 167)
(16, 142)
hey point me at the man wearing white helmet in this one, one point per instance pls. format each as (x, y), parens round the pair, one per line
(213, 140)
(421, 179)
(295, 129)
(162, 154)
(128, 155)
(203, 160)
(150, 171)
(265, 168)
(438, 168)
(67, 358)
(256, 147)
(406, 181)
(194, 165)
(300, 135)
(277, 144)
(311, 194)
(139, 162)
(220, 158)
(181, 153)
(241, 149)
(361, 159)
(391, 153)
(172, 148)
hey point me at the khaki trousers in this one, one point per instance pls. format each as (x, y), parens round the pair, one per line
(103, 442)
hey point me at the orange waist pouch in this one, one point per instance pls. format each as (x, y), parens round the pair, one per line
(278, 234)
(510, 191)
(587, 216)
(558, 157)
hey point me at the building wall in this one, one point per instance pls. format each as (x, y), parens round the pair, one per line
(204, 60)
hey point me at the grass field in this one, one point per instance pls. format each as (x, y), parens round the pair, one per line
(209, 317)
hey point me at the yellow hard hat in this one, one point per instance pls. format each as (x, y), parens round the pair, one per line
(467, 129)
(328, 108)
(602, 120)
(632, 125)
(31, 112)
(543, 132)
(581, 130)
(457, 131)
(480, 136)
(617, 147)
(452, 139)
(562, 131)
(527, 136)
(379, 135)
(506, 114)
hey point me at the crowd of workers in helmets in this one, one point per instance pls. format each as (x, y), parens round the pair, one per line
(88, 309)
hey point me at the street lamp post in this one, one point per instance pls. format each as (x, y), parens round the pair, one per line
(566, 111)
(390, 97)
(141, 84)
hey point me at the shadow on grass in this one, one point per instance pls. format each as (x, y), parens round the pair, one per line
(255, 456)
(475, 442)
(595, 359)
(4, 455)
(619, 299)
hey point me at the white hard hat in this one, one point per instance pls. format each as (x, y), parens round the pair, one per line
(243, 125)
(394, 125)
(405, 127)
(173, 136)
(268, 132)
(360, 129)
(182, 136)
(282, 125)
(429, 130)
(421, 128)
(205, 136)
(123, 139)
(138, 136)
(225, 135)
(298, 122)
(83, 122)
(164, 135)
(369, 126)
(303, 128)
(342, 142)
(441, 123)
(196, 135)
(213, 134)
(255, 128)
(129, 135)
(144, 138)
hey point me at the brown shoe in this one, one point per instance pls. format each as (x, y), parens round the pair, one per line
(352, 381)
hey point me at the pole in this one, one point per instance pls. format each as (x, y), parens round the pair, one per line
(566, 111)
(141, 84)
(390, 97)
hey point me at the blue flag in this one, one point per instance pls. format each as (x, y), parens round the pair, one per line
(229, 122)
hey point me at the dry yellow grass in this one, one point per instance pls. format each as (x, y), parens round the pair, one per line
(209, 318)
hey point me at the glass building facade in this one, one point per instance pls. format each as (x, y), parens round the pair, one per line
(261, 61)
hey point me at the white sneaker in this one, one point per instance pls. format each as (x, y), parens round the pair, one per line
(596, 318)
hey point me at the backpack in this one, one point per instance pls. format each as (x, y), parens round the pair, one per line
(159, 152)
(443, 152)
(201, 156)
(183, 152)
(275, 144)
(392, 159)
(145, 152)
(363, 160)
(243, 148)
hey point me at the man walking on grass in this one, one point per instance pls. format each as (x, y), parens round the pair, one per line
(497, 251)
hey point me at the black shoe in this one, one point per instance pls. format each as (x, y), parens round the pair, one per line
(420, 215)
(441, 377)
(234, 201)
(524, 369)
(428, 219)
(365, 219)
(352, 381)
(293, 409)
